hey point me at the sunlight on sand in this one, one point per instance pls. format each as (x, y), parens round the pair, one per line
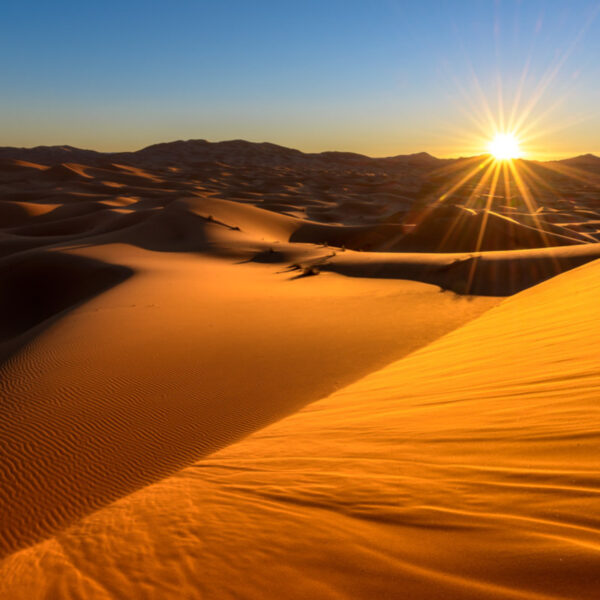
(245, 377)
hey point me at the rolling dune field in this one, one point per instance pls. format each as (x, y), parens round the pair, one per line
(236, 370)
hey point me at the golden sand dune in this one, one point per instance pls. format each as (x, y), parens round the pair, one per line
(183, 358)
(168, 317)
(465, 470)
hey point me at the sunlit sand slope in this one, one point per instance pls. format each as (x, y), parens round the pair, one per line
(465, 470)
(185, 357)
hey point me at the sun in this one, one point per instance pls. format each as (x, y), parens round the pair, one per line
(505, 146)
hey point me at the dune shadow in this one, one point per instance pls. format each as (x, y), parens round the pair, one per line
(40, 286)
(481, 275)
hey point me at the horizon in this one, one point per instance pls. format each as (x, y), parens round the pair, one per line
(379, 80)
(331, 150)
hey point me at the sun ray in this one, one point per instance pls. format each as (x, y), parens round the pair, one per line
(472, 111)
(460, 166)
(552, 72)
(534, 123)
(474, 193)
(518, 95)
(507, 188)
(574, 173)
(531, 204)
(482, 98)
(539, 180)
(500, 103)
(488, 205)
(465, 179)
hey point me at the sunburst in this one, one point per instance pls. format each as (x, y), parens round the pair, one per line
(500, 179)
(505, 146)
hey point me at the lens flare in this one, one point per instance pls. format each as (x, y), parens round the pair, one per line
(505, 146)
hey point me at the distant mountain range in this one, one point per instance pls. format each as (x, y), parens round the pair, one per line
(238, 152)
(234, 151)
(582, 161)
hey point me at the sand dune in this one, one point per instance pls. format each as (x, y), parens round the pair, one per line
(465, 470)
(240, 371)
(237, 350)
(485, 273)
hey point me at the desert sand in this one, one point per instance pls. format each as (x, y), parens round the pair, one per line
(238, 371)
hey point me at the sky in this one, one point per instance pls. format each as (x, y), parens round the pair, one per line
(379, 77)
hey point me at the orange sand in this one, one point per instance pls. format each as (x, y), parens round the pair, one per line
(200, 399)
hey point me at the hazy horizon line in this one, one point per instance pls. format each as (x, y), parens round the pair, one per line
(344, 151)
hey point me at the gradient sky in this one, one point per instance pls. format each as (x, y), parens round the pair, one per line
(381, 77)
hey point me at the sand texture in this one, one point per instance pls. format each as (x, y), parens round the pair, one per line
(239, 371)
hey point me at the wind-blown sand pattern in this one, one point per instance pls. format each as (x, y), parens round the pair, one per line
(238, 371)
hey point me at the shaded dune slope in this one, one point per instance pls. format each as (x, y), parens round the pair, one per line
(38, 285)
(499, 273)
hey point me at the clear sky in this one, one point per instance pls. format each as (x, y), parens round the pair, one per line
(380, 77)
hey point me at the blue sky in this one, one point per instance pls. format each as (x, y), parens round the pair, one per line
(381, 77)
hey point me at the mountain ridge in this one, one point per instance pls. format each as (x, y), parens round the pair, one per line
(66, 152)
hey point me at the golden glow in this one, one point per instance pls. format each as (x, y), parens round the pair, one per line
(489, 184)
(505, 146)
(494, 186)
